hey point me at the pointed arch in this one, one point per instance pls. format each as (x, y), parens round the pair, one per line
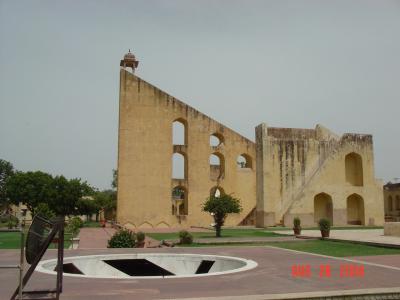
(216, 139)
(145, 225)
(179, 132)
(355, 210)
(179, 201)
(244, 161)
(179, 166)
(323, 207)
(217, 191)
(162, 224)
(217, 166)
(354, 169)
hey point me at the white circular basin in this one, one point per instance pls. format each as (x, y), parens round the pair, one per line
(147, 265)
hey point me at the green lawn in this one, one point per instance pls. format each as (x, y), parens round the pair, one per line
(12, 240)
(211, 234)
(91, 224)
(330, 248)
(332, 228)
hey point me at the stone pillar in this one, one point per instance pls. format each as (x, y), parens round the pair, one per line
(265, 216)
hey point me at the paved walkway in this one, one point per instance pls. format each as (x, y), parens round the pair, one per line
(361, 235)
(271, 279)
(94, 238)
(97, 238)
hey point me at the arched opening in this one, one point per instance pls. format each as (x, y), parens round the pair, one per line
(390, 203)
(179, 201)
(323, 208)
(178, 166)
(217, 166)
(179, 132)
(244, 161)
(216, 139)
(217, 191)
(397, 203)
(354, 169)
(355, 210)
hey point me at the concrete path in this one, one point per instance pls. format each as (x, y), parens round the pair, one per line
(361, 235)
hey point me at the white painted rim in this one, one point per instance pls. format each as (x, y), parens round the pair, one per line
(47, 266)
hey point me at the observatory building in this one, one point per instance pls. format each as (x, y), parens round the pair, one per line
(284, 173)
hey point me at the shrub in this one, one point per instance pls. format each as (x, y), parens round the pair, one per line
(74, 225)
(122, 239)
(77, 222)
(296, 222)
(140, 236)
(12, 224)
(185, 238)
(324, 224)
(7, 218)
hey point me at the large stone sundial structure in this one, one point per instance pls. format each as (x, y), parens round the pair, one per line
(282, 174)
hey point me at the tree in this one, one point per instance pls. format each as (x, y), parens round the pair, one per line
(105, 200)
(87, 207)
(30, 188)
(114, 183)
(220, 207)
(6, 171)
(59, 194)
(65, 195)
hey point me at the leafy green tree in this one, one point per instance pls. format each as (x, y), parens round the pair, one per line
(87, 207)
(6, 171)
(30, 188)
(59, 194)
(65, 195)
(44, 210)
(105, 200)
(220, 207)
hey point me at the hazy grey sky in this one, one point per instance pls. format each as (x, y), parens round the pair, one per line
(286, 63)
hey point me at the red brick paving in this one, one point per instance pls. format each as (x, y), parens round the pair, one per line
(94, 238)
(272, 276)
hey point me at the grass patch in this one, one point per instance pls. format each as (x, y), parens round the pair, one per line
(332, 228)
(330, 248)
(91, 224)
(12, 240)
(226, 233)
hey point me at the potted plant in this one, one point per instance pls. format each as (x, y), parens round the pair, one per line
(140, 236)
(296, 226)
(325, 227)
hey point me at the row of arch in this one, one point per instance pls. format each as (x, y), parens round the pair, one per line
(216, 159)
(393, 203)
(147, 224)
(323, 208)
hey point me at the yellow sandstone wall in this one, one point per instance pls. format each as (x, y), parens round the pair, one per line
(303, 173)
(306, 173)
(145, 153)
(391, 194)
